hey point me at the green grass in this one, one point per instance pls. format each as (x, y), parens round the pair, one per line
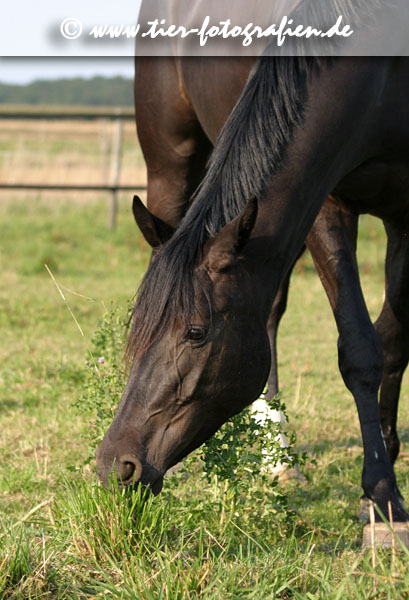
(63, 536)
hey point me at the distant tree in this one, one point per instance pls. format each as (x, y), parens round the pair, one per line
(98, 91)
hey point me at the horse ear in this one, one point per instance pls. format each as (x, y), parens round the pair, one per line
(155, 231)
(230, 241)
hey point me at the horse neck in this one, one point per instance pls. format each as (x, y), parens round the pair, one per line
(336, 136)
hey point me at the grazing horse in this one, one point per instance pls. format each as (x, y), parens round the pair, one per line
(181, 104)
(199, 348)
(166, 118)
(180, 107)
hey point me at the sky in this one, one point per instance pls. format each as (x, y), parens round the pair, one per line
(37, 34)
(35, 28)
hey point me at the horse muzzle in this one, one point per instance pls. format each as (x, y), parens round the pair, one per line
(128, 471)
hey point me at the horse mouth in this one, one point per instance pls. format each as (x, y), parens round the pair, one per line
(153, 486)
(157, 486)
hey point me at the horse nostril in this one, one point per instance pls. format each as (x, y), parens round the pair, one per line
(127, 470)
(129, 467)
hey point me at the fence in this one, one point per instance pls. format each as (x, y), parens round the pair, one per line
(80, 114)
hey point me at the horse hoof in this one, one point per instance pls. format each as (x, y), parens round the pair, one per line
(381, 535)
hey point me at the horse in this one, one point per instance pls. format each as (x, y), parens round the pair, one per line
(173, 176)
(176, 107)
(199, 346)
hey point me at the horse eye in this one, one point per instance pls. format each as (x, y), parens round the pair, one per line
(196, 333)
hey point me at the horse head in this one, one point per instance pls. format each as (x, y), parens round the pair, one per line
(191, 369)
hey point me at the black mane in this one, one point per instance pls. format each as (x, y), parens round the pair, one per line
(249, 150)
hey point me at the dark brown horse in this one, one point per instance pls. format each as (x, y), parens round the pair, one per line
(200, 344)
(332, 240)
(173, 175)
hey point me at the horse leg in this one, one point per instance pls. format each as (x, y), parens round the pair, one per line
(260, 407)
(332, 242)
(277, 311)
(393, 327)
(172, 141)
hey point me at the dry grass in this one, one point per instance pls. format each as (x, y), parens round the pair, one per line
(66, 152)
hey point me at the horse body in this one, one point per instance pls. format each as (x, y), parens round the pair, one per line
(206, 347)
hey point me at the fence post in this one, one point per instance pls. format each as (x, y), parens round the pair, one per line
(104, 135)
(116, 168)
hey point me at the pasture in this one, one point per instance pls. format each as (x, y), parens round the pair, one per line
(63, 152)
(64, 537)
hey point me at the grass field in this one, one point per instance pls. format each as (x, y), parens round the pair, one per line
(66, 152)
(62, 536)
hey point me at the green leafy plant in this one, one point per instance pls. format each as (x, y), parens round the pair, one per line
(243, 456)
(104, 378)
(245, 446)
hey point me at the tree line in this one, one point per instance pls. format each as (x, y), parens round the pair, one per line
(98, 91)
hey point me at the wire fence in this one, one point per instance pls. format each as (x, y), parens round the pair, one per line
(32, 161)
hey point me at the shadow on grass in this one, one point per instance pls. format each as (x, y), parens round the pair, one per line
(323, 446)
(8, 405)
